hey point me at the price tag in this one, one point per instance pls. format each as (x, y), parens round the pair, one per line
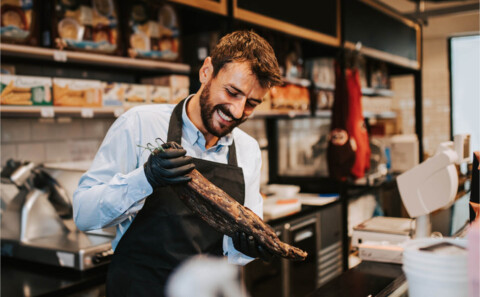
(117, 112)
(47, 112)
(60, 56)
(87, 113)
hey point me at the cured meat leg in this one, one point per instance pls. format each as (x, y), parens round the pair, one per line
(226, 215)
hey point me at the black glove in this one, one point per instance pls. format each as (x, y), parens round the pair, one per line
(169, 166)
(247, 245)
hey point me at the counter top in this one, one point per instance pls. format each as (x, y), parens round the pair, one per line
(305, 210)
(367, 279)
(26, 279)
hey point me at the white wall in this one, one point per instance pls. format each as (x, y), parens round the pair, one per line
(40, 140)
(436, 81)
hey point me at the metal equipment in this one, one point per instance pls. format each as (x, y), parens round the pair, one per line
(37, 223)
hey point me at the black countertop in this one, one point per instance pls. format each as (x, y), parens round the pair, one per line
(366, 279)
(27, 279)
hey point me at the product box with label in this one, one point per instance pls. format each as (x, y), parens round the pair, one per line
(136, 94)
(77, 92)
(159, 94)
(25, 90)
(179, 85)
(113, 93)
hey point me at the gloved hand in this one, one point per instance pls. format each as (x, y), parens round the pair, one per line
(169, 166)
(247, 245)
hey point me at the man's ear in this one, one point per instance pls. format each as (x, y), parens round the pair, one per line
(206, 71)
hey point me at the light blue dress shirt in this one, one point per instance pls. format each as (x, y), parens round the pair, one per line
(114, 189)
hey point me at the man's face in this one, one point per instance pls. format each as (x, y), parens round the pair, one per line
(228, 99)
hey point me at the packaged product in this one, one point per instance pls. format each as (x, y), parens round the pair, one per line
(113, 93)
(322, 72)
(179, 85)
(290, 97)
(153, 31)
(19, 21)
(159, 94)
(25, 90)
(77, 92)
(87, 25)
(136, 94)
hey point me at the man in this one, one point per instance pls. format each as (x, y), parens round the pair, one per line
(127, 187)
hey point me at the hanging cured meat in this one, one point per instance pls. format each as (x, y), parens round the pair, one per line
(340, 152)
(356, 127)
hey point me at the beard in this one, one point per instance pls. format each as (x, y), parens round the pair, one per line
(207, 110)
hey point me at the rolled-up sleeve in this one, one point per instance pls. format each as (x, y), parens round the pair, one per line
(115, 186)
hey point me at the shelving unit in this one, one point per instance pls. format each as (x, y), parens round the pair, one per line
(63, 56)
(377, 92)
(281, 114)
(11, 111)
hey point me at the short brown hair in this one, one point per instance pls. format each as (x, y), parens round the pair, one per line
(248, 46)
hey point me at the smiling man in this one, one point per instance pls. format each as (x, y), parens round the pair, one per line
(128, 187)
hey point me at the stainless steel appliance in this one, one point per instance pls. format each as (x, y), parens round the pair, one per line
(37, 222)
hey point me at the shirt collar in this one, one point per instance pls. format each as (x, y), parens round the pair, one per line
(193, 135)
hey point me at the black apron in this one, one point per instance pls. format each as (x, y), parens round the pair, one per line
(165, 232)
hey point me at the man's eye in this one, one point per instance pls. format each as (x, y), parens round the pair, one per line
(231, 93)
(252, 103)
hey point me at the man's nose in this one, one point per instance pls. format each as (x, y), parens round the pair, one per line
(238, 108)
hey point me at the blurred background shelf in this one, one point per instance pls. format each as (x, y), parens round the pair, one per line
(377, 92)
(11, 111)
(7, 111)
(62, 56)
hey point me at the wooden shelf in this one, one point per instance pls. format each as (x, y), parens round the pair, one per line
(63, 56)
(280, 113)
(325, 87)
(11, 111)
(384, 56)
(382, 115)
(365, 91)
(219, 7)
(297, 81)
(326, 113)
(377, 92)
(7, 111)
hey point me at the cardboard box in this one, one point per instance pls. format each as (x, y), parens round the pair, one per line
(159, 94)
(136, 95)
(113, 94)
(178, 94)
(179, 85)
(25, 90)
(77, 92)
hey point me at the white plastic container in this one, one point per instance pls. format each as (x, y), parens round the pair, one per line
(424, 285)
(474, 259)
(439, 271)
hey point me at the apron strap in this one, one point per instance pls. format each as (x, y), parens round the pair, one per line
(175, 132)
